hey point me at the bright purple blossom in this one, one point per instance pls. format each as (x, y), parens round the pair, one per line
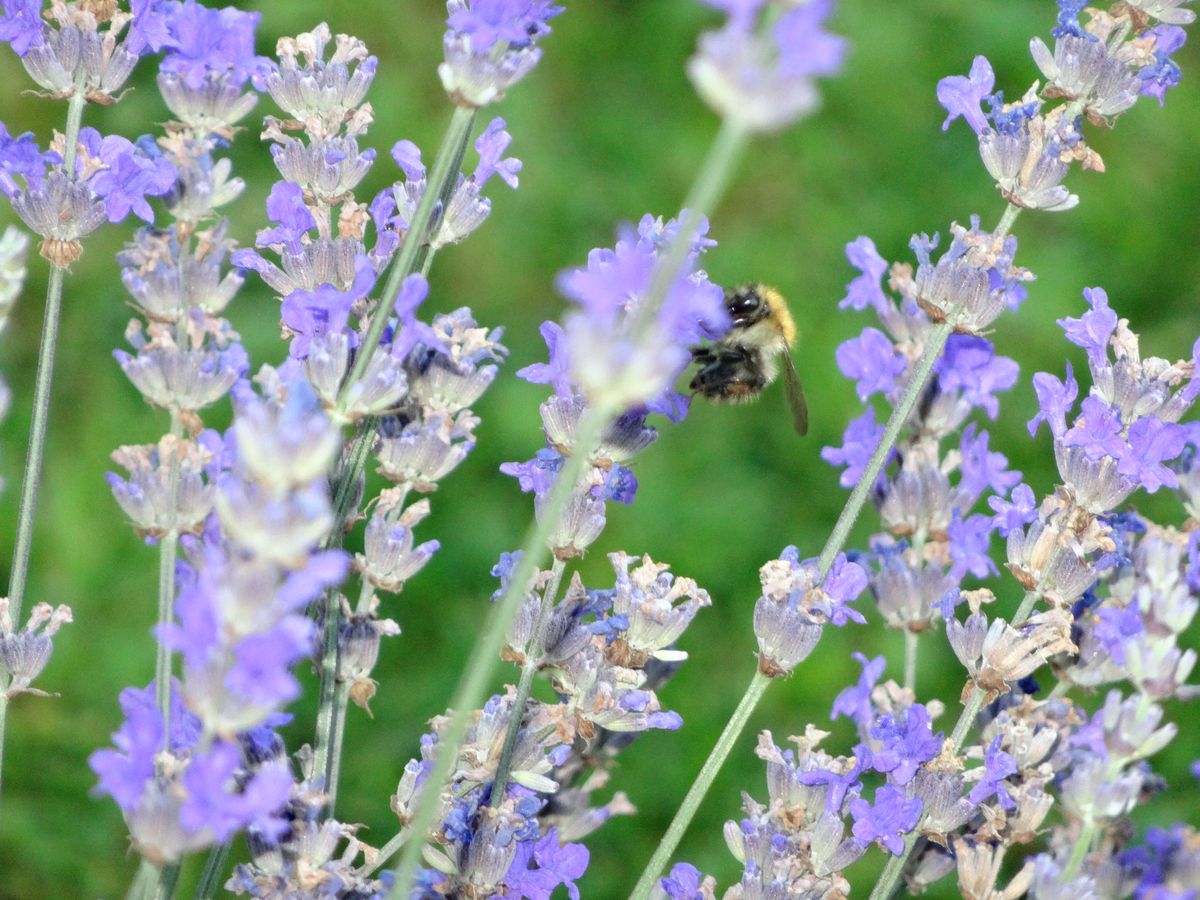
(983, 468)
(970, 364)
(1014, 515)
(1152, 442)
(843, 585)
(997, 766)
(556, 372)
(541, 866)
(837, 786)
(21, 24)
(855, 701)
(963, 95)
(515, 22)
(969, 540)
(683, 883)
(859, 441)
(865, 290)
(1068, 19)
(218, 802)
(211, 43)
(1163, 73)
(906, 740)
(150, 31)
(1097, 430)
(891, 817)
(1055, 399)
(131, 176)
(1093, 330)
(872, 361)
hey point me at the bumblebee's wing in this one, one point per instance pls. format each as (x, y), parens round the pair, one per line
(795, 395)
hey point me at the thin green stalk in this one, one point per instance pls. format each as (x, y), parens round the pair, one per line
(334, 770)
(912, 647)
(449, 153)
(167, 550)
(35, 455)
(328, 696)
(387, 851)
(913, 391)
(533, 658)
(695, 795)
(210, 876)
(440, 180)
(471, 688)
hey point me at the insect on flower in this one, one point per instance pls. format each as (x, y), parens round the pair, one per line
(739, 366)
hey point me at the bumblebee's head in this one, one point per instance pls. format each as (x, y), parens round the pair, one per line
(749, 304)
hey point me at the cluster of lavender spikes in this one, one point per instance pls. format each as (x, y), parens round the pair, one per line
(504, 790)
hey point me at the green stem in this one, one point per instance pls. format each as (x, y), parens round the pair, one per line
(912, 646)
(341, 702)
(708, 773)
(35, 455)
(387, 851)
(345, 486)
(471, 688)
(145, 882)
(918, 381)
(450, 152)
(167, 550)
(533, 658)
(1083, 846)
(328, 695)
(210, 877)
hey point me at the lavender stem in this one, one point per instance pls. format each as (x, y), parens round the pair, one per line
(34, 456)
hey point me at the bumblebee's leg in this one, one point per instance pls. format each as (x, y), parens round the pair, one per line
(734, 374)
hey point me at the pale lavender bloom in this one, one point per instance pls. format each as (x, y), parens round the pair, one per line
(1084, 68)
(902, 741)
(864, 290)
(169, 489)
(325, 94)
(963, 96)
(204, 795)
(621, 354)
(24, 653)
(490, 46)
(760, 75)
(858, 443)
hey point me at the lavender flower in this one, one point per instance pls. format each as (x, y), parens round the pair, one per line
(887, 819)
(24, 653)
(758, 71)
(490, 46)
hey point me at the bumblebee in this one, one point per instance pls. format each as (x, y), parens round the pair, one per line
(739, 366)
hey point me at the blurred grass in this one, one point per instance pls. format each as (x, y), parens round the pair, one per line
(608, 129)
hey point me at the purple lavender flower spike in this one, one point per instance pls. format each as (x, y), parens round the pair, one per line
(1094, 329)
(1164, 73)
(1055, 400)
(905, 741)
(490, 46)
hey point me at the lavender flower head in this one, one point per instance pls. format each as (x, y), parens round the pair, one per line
(620, 352)
(796, 604)
(758, 71)
(490, 45)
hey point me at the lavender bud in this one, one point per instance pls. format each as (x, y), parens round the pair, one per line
(183, 379)
(24, 653)
(166, 283)
(647, 598)
(325, 95)
(359, 636)
(168, 491)
(490, 46)
(419, 454)
(389, 558)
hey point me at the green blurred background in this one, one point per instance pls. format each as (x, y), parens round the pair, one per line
(608, 128)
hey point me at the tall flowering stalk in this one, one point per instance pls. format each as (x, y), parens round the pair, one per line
(187, 356)
(82, 54)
